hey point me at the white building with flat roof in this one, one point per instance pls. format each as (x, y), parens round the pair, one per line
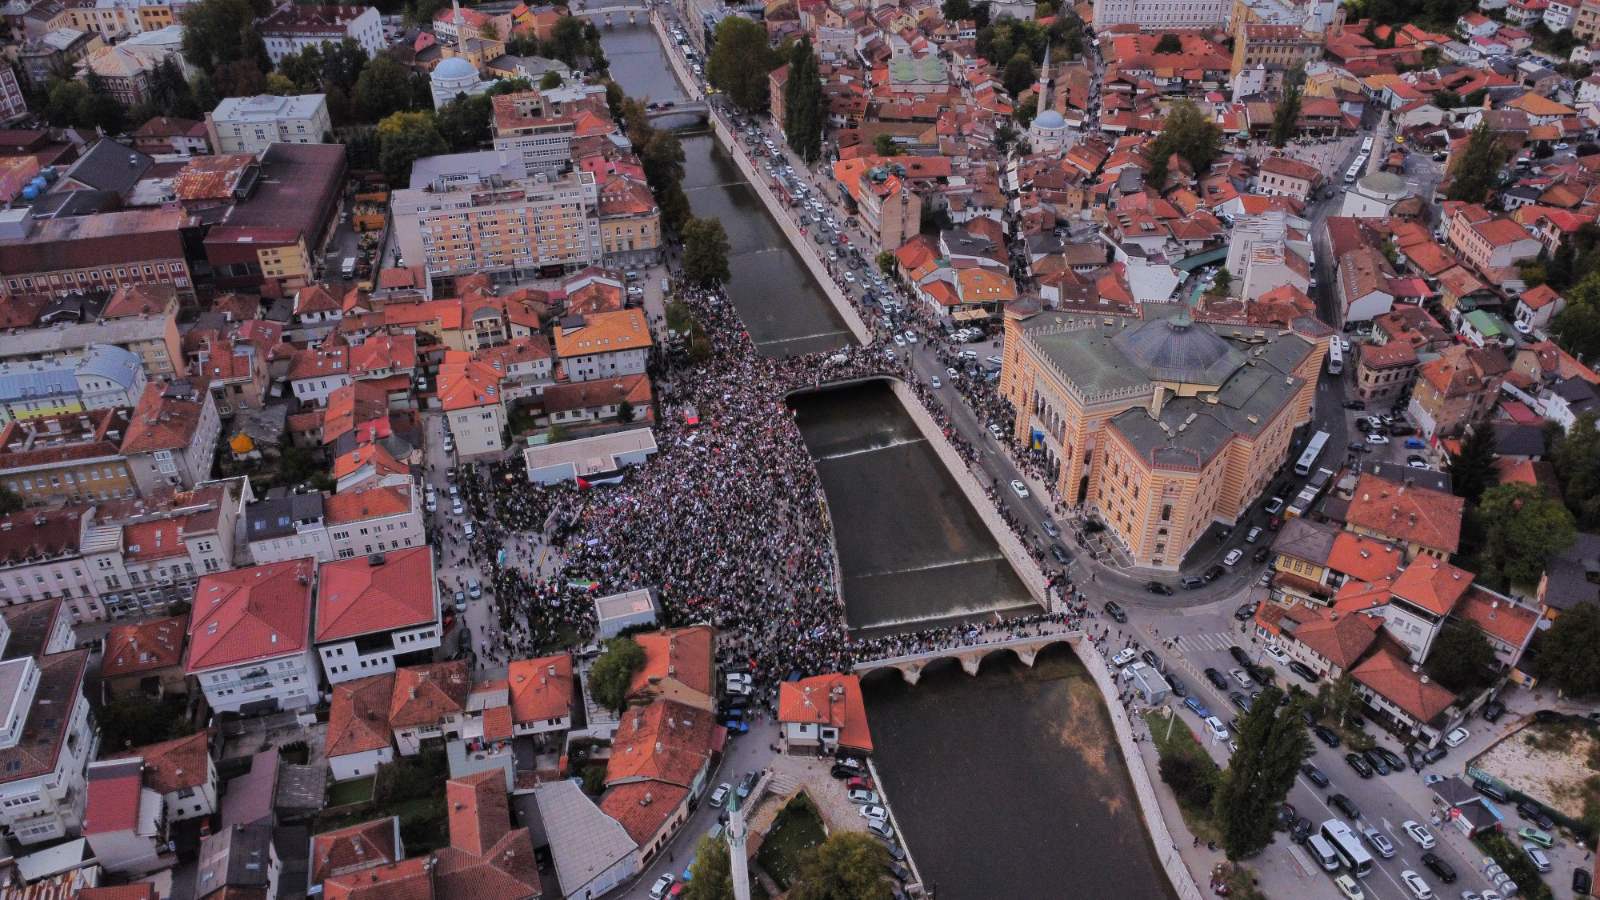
(591, 459)
(618, 612)
(252, 124)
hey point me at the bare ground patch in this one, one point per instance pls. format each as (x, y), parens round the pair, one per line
(1551, 762)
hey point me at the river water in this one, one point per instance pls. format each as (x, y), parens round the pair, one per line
(1008, 784)
(784, 309)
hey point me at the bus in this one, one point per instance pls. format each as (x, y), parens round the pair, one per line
(1366, 144)
(1352, 174)
(1308, 495)
(1313, 450)
(1343, 839)
(1335, 357)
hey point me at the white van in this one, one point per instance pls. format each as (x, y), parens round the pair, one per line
(347, 269)
(1322, 851)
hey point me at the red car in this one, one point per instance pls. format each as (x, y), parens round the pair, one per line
(859, 782)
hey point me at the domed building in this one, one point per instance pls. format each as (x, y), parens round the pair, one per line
(1048, 133)
(452, 77)
(1374, 195)
(1159, 427)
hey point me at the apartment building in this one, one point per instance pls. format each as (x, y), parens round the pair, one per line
(526, 131)
(73, 458)
(135, 796)
(1586, 21)
(469, 394)
(47, 739)
(540, 694)
(1162, 426)
(41, 561)
(1276, 47)
(104, 377)
(142, 319)
(630, 223)
(250, 638)
(1160, 15)
(474, 213)
(252, 124)
(1384, 370)
(172, 436)
(82, 254)
(603, 345)
(1493, 245)
(383, 517)
(375, 613)
(293, 28)
(1457, 388)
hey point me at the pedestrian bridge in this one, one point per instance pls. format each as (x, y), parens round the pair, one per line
(971, 656)
(696, 108)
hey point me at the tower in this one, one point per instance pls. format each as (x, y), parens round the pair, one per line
(1044, 84)
(738, 862)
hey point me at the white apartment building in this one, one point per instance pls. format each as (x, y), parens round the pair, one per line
(473, 212)
(293, 28)
(250, 638)
(374, 519)
(172, 436)
(469, 394)
(603, 345)
(47, 738)
(252, 124)
(280, 528)
(376, 612)
(104, 377)
(1160, 15)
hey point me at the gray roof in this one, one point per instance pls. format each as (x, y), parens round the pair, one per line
(1431, 479)
(110, 166)
(1178, 350)
(234, 857)
(29, 381)
(584, 842)
(1304, 539)
(1517, 439)
(274, 517)
(1573, 575)
(111, 362)
(248, 800)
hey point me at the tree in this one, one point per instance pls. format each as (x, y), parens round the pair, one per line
(1193, 782)
(1447, 99)
(613, 671)
(1566, 652)
(1188, 134)
(1019, 74)
(1339, 699)
(550, 81)
(740, 61)
(956, 10)
(1286, 118)
(1575, 455)
(712, 874)
(1473, 173)
(512, 86)
(705, 253)
(849, 865)
(887, 262)
(804, 106)
(624, 412)
(218, 34)
(404, 138)
(1169, 43)
(1272, 744)
(1472, 470)
(465, 122)
(1461, 658)
(65, 99)
(134, 721)
(1224, 282)
(883, 145)
(1523, 529)
(382, 90)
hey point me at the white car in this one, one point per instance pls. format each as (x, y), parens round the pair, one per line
(899, 341)
(1233, 557)
(1276, 652)
(874, 812)
(1243, 679)
(1419, 889)
(1419, 833)
(1456, 737)
(660, 888)
(881, 828)
(720, 795)
(934, 382)
(1020, 489)
(911, 337)
(1219, 731)
(740, 683)
(862, 795)
(1127, 655)
(1377, 439)
(455, 506)
(1348, 888)
(850, 277)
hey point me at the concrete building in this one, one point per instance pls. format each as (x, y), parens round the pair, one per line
(890, 209)
(73, 458)
(629, 609)
(1383, 371)
(250, 638)
(475, 213)
(1160, 15)
(660, 761)
(593, 459)
(1361, 281)
(540, 694)
(358, 739)
(105, 377)
(475, 412)
(453, 77)
(145, 659)
(79, 254)
(603, 345)
(1277, 48)
(592, 852)
(252, 124)
(1374, 195)
(47, 738)
(1459, 387)
(149, 330)
(823, 715)
(172, 436)
(1160, 427)
(293, 28)
(630, 223)
(377, 612)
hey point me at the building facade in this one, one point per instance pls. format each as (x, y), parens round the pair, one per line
(252, 124)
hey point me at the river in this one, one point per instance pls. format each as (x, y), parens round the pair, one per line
(785, 310)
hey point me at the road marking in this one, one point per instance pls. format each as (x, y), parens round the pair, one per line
(1213, 640)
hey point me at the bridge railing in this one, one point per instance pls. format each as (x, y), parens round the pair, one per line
(999, 643)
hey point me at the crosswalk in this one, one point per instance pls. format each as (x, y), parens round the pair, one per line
(1214, 640)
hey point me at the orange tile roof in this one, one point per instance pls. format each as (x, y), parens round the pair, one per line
(174, 765)
(346, 850)
(1391, 677)
(487, 858)
(144, 890)
(1357, 596)
(408, 879)
(1433, 585)
(358, 716)
(465, 383)
(1340, 638)
(642, 807)
(1412, 514)
(833, 700)
(1364, 558)
(662, 741)
(384, 592)
(1498, 618)
(144, 646)
(607, 332)
(244, 615)
(383, 463)
(541, 689)
(497, 723)
(374, 502)
(383, 352)
(165, 419)
(480, 813)
(424, 695)
(683, 654)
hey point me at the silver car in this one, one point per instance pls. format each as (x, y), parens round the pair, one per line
(1379, 841)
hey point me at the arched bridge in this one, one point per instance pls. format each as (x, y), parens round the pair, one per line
(696, 108)
(971, 656)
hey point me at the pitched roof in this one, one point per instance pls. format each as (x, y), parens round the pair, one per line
(541, 689)
(171, 766)
(683, 654)
(257, 612)
(1414, 693)
(833, 700)
(1364, 558)
(606, 332)
(373, 502)
(1433, 585)
(487, 858)
(347, 850)
(424, 695)
(465, 382)
(641, 807)
(663, 741)
(144, 646)
(1497, 617)
(1407, 513)
(166, 417)
(408, 879)
(1340, 638)
(358, 716)
(113, 797)
(45, 729)
(382, 592)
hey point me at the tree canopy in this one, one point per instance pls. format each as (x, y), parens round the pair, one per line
(705, 253)
(1272, 742)
(1575, 454)
(404, 138)
(466, 123)
(712, 873)
(220, 38)
(1461, 658)
(1472, 470)
(804, 107)
(1286, 118)
(849, 864)
(1566, 653)
(1523, 528)
(1188, 134)
(613, 672)
(1473, 172)
(1019, 74)
(740, 60)
(383, 89)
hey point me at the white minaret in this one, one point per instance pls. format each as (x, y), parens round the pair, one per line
(738, 863)
(1044, 85)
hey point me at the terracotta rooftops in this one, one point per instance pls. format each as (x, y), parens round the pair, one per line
(1433, 585)
(541, 689)
(358, 716)
(243, 615)
(1407, 513)
(382, 592)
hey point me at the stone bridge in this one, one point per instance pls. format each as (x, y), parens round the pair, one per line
(971, 656)
(696, 108)
(606, 15)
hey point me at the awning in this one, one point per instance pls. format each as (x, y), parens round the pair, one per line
(967, 315)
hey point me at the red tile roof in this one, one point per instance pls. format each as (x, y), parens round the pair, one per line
(487, 858)
(642, 807)
(358, 716)
(348, 850)
(166, 418)
(1364, 558)
(375, 502)
(465, 383)
(144, 890)
(171, 766)
(248, 614)
(1498, 618)
(663, 741)
(541, 689)
(1407, 513)
(1340, 638)
(683, 654)
(833, 700)
(113, 799)
(144, 646)
(1414, 693)
(424, 695)
(1433, 585)
(409, 879)
(383, 592)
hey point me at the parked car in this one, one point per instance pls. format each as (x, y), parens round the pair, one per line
(1359, 763)
(1439, 867)
(1233, 557)
(1534, 835)
(1240, 676)
(658, 891)
(1349, 888)
(1376, 761)
(873, 811)
(1396, 764)
(1238, 654)
(1115, 611)
(1343, 804)
(1537, 856)
(1419, 889)
(720, 795)
(1245, 612)
(1151, 660)
(1127, 655)
(1219, 732)
(1314, 775)
(1301, 831)
(1216, 679)
(1456, 737)
(1326, 735)
(1493, 710)
(880, 828)
(1304, 671)
(1582, 882)
(1534, 813)
(1239, 700)
(1272, 506)
(1196, 707)
(1156, 587)
(1419, 833)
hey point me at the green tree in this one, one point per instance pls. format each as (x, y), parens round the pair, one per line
(1019, 74)
(513, 86)
(1447, 99)
(1575, 455)
(624, 412)
(804, 107)
(1566, 653)
(383, 89)
(711, 873)
(849, 865)
(705, 253)
(65, 99)
(550, 81)
(1461, 658)
(1188, 134)
(887, 263)
(614, 99)
(1473, 173)
(1339, 699)
(883, 145)
(613, 671)
(1286, 118)
(404, 138)
(661, 156)
(220, 33)
(1472, 470)
(1272, 744)
(570, 42)
(956, 10)
(1523, 528)
(1224, 282)
(1193, 782)
(465, 122)
(134, 721)
(740, 61)
(1169, 43)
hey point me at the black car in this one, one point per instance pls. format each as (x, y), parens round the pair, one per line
(1287, 816)
(1535, 814)
(1493, 710)
(1239, 656)
(1239, 700)
(1261, 674)
(1359, 763)
(1156, 587)
(1151, 660)
(1061, 555)
(893, 849)
(1439, 867)
(1243, 613)
(1343, 804)
(1212, 574)
(1582, 882)
(1390, 757)
(1261, 554)
(1115, 611)
(1434, 754)
(1302, 831)
(1216, 679)
(1314, 775)
(1354, 404)
(1192, 582)
(1326, 735)
(1376, 761)
(847, 769)
(1304, 671)
(1177, 686)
